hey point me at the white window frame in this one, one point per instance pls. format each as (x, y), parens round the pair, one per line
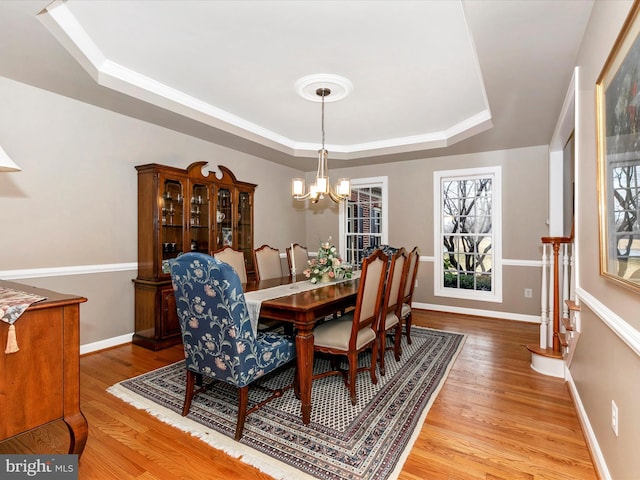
(495, 295)
(381, 182)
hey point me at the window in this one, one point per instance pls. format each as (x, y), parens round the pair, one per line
(467, 209)
(363, 218)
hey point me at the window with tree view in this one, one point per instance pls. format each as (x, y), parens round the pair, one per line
(468, 208)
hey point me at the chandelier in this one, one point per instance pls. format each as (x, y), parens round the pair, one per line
(321, 186)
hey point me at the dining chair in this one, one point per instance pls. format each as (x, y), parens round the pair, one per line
(355, 331)
(300, 258)
(217, 335)
(235, 258)
(389, 319)
(267, 263)
(408, 285)
(387, 249)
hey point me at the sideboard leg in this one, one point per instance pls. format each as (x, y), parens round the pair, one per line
(78, 431)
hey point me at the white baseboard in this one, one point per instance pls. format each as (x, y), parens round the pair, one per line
(480, 313)
(107, 343)
(590, 436)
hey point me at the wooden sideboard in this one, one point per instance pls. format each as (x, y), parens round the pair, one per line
(40, 383)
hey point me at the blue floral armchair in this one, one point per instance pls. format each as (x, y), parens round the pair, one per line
(216, 331)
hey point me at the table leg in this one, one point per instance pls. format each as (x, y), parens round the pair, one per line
(304, 354)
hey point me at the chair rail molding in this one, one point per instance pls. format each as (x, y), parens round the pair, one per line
(620, 327)
(67, 271)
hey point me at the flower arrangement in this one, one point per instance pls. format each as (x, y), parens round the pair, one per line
(327, 266)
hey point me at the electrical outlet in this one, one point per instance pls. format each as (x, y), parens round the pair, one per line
(614, 417)
(528, 293)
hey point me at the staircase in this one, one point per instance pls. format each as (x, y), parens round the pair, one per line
(560, 315)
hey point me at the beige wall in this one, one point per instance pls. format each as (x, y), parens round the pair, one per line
(604, 367)
(524, 177)
(75, 202)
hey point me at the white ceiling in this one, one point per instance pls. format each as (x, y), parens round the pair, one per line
(429, 77)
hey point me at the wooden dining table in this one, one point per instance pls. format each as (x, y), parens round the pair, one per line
(303, 310)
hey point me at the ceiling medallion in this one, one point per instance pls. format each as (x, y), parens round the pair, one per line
(307, 87)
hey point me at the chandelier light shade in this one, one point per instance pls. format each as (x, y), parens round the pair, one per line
(6, 164)
(321, 186)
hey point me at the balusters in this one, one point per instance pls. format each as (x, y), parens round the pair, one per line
(544, 300)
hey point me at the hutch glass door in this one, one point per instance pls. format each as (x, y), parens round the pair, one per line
(172, 219)
(244, 230)
(224, 218)
(199, 218)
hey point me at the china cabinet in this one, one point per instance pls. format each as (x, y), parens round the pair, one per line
(181, 210)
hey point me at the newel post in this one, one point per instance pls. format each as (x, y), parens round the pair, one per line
(555, 243)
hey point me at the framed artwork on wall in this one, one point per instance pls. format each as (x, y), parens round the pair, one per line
(618, 142)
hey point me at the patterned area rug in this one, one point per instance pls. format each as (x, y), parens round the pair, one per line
(370, 440)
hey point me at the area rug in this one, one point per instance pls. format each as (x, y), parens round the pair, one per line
(370, 440)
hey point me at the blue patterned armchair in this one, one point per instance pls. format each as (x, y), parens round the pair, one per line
(217, 334)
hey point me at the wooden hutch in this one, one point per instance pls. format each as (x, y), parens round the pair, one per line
(182, 210)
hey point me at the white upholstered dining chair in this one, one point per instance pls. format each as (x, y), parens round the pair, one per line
(408, 285)
(267, 263)
(234, 258)
(299, 257)
(389, 319)
(356, 331)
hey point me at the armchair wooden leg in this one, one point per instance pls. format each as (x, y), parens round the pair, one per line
(188, 393)
(243, 397)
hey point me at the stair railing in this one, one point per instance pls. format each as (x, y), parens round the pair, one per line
(553, 297)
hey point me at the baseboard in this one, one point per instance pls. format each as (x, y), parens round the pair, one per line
(589, 434)
(480, 313)
(107, 343)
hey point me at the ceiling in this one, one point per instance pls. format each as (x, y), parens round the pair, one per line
(423, 78)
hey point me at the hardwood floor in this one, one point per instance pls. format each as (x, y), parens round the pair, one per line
(495, 418)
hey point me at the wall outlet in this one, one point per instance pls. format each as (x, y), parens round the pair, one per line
(528, 293)
(614, 417)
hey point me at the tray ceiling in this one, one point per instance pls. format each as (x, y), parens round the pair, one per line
(429, 77)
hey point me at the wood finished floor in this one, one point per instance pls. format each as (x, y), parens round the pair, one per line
(495, 418)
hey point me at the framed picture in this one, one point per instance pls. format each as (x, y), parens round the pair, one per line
(618, 141)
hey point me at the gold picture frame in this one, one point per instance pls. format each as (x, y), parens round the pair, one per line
(618, 150)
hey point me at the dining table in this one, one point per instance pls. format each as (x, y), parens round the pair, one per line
(303, 305)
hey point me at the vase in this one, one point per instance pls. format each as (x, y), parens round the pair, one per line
(325, 278)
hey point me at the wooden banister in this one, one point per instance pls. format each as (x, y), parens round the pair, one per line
(555, 243)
